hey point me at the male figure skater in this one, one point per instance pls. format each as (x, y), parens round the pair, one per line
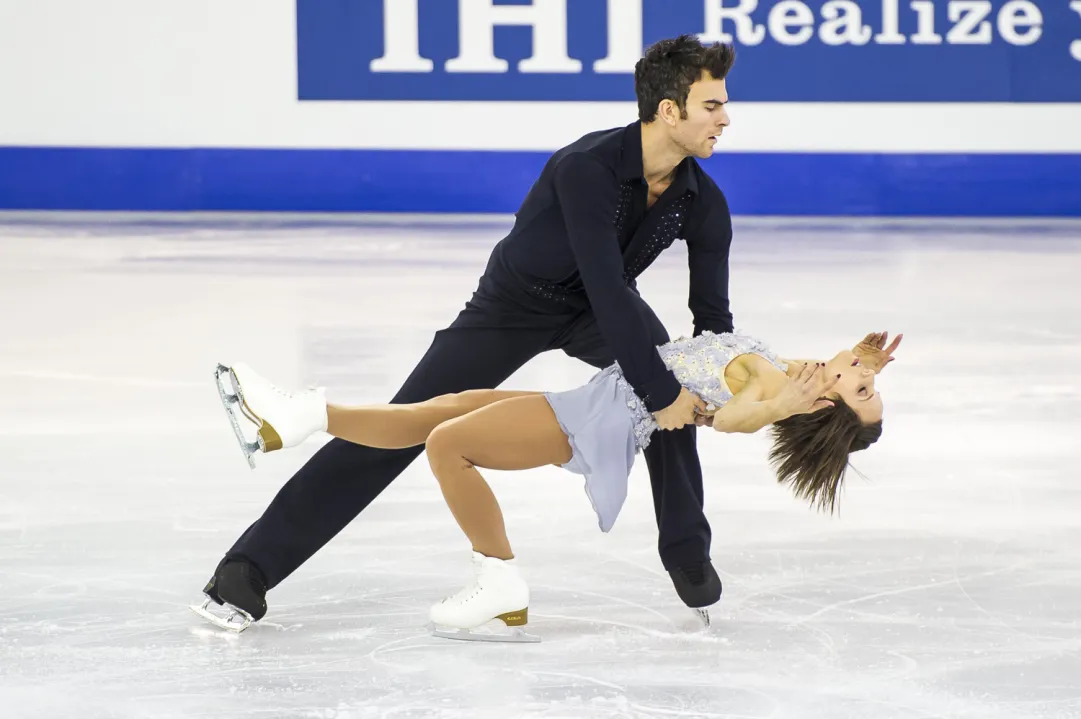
(600, 213)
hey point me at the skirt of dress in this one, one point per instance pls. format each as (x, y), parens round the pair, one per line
(600, 429)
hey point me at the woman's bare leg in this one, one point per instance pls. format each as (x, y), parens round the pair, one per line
(512, 434)
(397, 426)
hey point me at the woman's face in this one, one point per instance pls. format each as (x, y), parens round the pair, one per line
(856, 386)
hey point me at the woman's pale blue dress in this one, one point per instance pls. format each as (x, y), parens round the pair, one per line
(607, 424)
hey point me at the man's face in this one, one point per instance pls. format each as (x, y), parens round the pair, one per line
(706, 117)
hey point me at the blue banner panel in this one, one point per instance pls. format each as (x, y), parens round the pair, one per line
(788, 50)
(55, 178)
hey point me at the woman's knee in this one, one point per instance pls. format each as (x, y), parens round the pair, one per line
(445, 445)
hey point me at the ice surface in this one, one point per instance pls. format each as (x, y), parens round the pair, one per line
(949, 585)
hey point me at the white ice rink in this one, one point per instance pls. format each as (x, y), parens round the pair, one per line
(948, 586)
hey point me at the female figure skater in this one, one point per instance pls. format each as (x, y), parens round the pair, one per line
(820, 411)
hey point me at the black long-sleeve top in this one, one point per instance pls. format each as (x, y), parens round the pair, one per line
(584, 233)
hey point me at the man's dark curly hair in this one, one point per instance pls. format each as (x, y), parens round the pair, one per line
(671, 66)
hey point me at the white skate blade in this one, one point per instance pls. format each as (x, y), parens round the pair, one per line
(510, 635)
(227, 622)
(703, 616)
(233, 403)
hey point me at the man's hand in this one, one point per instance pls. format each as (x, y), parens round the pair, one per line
(803, 393)
(681, 412)
(873, 352)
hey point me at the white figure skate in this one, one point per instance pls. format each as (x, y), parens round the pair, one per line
(281, 419)
(494, 608)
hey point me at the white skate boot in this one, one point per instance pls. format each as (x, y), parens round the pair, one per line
(497, 601)
(281, 419)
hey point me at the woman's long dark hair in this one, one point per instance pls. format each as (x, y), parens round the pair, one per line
(810, 451)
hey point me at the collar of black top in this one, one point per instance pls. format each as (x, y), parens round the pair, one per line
(630, 167)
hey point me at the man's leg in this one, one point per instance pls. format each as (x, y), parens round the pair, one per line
(675, 475)
(476, 352)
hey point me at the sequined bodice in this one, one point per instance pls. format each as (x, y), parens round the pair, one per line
(698, 363)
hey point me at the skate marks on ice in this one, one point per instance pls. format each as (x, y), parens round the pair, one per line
(485, 633)
(914, 625)
(991, 617)
(768, 661)
(794, 622)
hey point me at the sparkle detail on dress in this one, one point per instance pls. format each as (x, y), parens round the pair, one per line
(698, 363)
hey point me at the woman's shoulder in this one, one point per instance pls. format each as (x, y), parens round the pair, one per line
(758, 366)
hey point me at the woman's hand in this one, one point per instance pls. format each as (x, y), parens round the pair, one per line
(873, 352)
(803, 394)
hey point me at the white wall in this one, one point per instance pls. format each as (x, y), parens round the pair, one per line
(222, 73)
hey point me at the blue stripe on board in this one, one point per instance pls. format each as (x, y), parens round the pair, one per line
(482, 181)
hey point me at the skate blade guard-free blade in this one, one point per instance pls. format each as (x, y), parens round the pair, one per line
(703, 616)
(226, 622)
(495, 631)
(233, 402)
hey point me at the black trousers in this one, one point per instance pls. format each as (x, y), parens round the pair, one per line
(491, 338)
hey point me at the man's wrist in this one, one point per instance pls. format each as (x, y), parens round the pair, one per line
(661, 392)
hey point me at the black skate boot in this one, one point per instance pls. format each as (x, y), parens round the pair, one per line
(698, 586)
(241, 587)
